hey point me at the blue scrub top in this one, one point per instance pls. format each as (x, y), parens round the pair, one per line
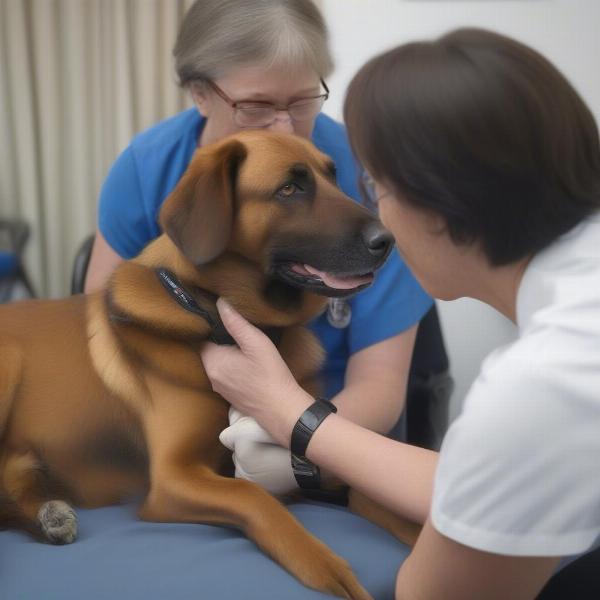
(149, 168)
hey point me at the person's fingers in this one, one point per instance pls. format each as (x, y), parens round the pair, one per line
(248, 429)
(234, 415)
(247, 336)
(245, 429)
(216, 359)
(227, 438)
(211, 353)
(240, 472)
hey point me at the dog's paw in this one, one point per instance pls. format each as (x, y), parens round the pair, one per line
(336, 577)
(58, 522)
(318, 567)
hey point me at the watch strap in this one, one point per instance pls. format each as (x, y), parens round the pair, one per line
(308, 423)
(307, 474)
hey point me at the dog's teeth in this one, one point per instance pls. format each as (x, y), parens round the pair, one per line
(314, 272)
(305, 271)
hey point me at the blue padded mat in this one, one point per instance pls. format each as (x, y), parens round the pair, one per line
(119, 557)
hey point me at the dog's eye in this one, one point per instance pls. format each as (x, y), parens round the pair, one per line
(288, 190)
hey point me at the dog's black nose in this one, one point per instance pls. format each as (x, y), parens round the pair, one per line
(377, 238)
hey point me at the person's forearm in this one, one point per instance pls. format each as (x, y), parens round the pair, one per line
(375, 383)
(374, 405)
(370, 404)
(396, 475)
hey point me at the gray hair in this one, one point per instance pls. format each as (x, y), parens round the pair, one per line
(217, 35)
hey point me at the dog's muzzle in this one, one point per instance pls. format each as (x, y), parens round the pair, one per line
(338, 272)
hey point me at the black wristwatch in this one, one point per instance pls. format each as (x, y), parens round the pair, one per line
(307, 424)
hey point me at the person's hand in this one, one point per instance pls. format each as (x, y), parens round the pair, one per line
(253, 377)
(257, 456)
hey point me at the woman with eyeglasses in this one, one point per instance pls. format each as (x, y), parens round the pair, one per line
(486, 168)
(263, 64)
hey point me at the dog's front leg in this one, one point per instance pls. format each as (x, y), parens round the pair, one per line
(183, 445)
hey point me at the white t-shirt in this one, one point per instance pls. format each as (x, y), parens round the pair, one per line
(519, 469)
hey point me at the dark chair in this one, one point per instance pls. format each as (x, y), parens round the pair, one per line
(429, 388)
(81, 264)
(13, 238)
(579, 580)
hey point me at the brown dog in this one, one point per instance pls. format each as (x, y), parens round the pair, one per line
(104, 396)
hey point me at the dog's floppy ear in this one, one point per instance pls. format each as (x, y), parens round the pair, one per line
(198, 214)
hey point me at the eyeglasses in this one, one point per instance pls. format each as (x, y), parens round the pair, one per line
(367, 189)
(369, 192)
(248, 113)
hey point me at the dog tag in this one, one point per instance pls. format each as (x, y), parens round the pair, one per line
(339, 313)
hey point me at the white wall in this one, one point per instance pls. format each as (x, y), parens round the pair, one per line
(566, 31)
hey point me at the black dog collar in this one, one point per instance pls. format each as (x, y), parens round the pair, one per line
(219, 335)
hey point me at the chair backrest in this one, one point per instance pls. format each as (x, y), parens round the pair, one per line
(429, 388)
(80, 265)
(13, 235)
(579, 580)
(429, 354)
(13, 275)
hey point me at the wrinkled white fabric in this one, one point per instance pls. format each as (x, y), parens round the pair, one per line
(519, 470)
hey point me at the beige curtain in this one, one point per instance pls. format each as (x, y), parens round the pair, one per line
(78, 78)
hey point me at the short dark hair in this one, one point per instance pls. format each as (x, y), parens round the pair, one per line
(483, 131)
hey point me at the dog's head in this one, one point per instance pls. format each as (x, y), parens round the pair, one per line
(271, 201)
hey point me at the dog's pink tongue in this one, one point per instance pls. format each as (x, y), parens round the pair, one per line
(339, 283)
